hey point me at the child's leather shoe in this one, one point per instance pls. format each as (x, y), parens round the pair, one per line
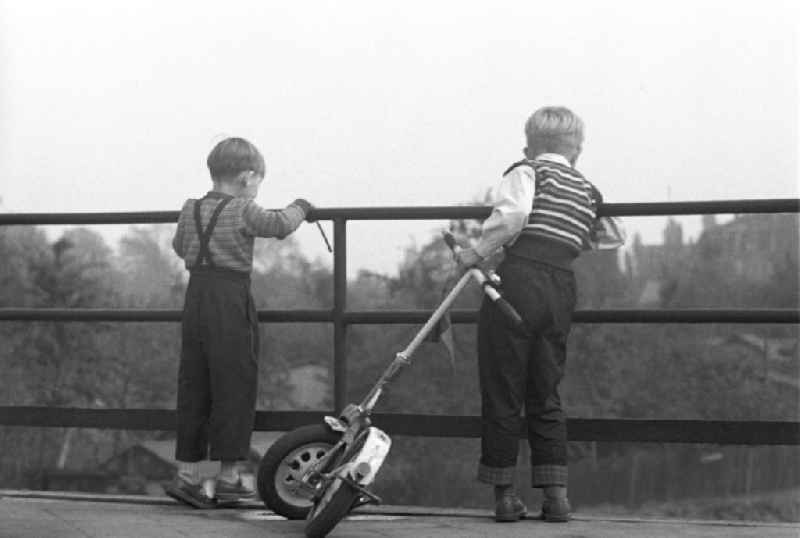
(509, 508)
(192, 494)
(227, 492)
(556, 510)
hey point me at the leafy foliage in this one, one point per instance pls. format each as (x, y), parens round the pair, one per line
(632, 371)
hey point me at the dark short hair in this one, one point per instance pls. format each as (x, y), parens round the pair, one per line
(233, 156)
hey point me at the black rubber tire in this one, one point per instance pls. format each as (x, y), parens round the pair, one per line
(331, 514)
(274, 458)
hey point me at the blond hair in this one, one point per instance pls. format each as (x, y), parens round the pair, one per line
(554, 129)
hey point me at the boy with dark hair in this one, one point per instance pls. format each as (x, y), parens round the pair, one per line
(544, 215)
(217, 376)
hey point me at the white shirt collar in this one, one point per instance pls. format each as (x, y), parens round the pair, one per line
(553, 157)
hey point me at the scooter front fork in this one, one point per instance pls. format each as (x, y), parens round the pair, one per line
(365, 495)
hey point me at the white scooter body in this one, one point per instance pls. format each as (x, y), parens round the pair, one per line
(364, 466)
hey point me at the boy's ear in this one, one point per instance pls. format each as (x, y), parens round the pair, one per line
(575, 155)
(242, 178)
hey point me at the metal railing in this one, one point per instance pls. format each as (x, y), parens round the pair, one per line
(683, 431)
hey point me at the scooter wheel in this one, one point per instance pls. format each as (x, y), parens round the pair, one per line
(333, 506)
(284, 464)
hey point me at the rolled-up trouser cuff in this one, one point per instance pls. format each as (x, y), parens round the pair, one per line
(495, 475)
(549, 475)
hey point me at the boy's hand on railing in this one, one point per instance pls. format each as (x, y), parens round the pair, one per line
(307, 208)
(309, 214)
(467, 257)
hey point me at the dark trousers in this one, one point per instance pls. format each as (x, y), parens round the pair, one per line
(218, 374)
(517, 372)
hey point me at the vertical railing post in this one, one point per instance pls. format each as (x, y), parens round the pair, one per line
(339, 306)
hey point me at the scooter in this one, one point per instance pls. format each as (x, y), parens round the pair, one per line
(321, 472)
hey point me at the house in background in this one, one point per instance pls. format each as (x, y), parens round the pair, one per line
(778, 356)
(144, 467)
(55, 479)
(756, 249)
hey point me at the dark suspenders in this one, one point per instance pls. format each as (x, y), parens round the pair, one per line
(204, 255)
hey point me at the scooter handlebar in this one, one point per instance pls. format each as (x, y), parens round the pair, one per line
(488, 281)
(511, 315)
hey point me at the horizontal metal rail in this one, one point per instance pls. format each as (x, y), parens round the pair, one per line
(147, 315)
(371, 317)
(612, 430)
(773, 205)
(722, 432)
(625, 315)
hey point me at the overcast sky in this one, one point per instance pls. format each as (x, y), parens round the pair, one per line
(112, 106)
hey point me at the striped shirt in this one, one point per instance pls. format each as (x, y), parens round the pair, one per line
(239, 223)
(544, 198)
(564, 206)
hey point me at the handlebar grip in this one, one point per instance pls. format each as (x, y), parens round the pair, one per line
(450, 240)
(511, 315)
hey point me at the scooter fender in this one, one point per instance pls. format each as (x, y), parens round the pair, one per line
(365, 465)
(335, 424)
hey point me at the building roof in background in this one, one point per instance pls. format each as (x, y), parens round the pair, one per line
(164, 450)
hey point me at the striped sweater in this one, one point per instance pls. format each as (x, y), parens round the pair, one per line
(239, 223)
(543, 209)
(564, 205)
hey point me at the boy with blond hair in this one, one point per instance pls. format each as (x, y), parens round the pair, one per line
(544, 214)
(217, 376)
